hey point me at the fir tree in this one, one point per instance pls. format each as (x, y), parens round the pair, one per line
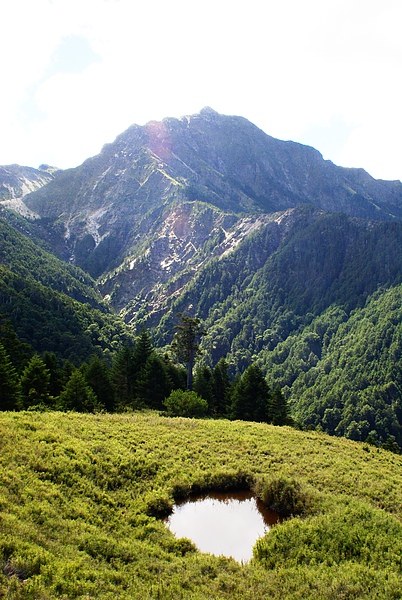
(18, 352)
(78, 395)
(222, 388)
(153, 383)
(203, 385)
(186, 345)
(57, 375)
(142, 350)
(9, 383)
(280, 409)
(98, 378)
(35, 383)
(251, 397)
(123, 378)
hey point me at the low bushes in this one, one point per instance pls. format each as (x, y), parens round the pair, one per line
(184, 403)
(284, 496)
(348, 531)
(79, 497)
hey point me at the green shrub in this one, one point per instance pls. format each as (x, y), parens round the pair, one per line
(159, 506)
(347, 532)
(284, 496)
(182, 403)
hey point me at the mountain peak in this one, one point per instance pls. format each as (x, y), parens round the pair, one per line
(208, 111)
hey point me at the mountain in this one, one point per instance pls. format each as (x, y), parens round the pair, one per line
(163, 198)
(275, 249)
(16, 182)
(225, 161)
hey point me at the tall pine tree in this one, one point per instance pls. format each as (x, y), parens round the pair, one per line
(9, 383)
(251, 400)
(35, 383)
(186, 344)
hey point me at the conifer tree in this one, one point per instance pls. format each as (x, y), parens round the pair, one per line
(57, 375)
(77, 394)
(9, 383)
(153, 382)
(35, 382)
(203, 385)
(186, 344)
(280, 409)
(222, 388)
(123, 377)
(98, 378)
(251, 397)
(142, 350)
(18, 352)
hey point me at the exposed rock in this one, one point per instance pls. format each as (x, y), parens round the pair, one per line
(16, 182)
(147, 212)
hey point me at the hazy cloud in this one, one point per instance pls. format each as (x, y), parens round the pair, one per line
(76, 73)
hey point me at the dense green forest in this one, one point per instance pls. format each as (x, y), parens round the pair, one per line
(343, 372)
(21, 253)
(52, 321)
(321, 320)
(135, 377)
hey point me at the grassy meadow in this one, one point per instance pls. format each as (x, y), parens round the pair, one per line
(81, 498)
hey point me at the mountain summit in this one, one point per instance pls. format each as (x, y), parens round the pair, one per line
(164, 198)
(115, 198)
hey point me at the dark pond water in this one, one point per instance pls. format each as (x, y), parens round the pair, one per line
(223, 524)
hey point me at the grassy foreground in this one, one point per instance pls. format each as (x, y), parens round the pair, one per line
(80, 495)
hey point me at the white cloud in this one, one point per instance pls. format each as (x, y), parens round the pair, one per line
(293, 68)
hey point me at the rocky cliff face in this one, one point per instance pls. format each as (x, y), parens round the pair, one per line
(155, 205)
(16, 182)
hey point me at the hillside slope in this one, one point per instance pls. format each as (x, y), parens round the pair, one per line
(81, 496)
(17, 181)
(20, 254)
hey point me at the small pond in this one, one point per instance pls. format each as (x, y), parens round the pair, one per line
(226, 524)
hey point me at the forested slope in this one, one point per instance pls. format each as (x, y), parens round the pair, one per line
(52, 321)
(283, 275)
(26, 258)
(344, 372)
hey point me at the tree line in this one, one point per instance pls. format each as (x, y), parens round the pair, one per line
(141, 377)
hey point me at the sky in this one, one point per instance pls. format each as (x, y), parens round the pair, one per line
(326, 73)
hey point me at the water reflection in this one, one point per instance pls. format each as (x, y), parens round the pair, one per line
(222, 523)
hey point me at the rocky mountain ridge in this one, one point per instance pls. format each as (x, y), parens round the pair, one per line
(17, 181)
(161, 198)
